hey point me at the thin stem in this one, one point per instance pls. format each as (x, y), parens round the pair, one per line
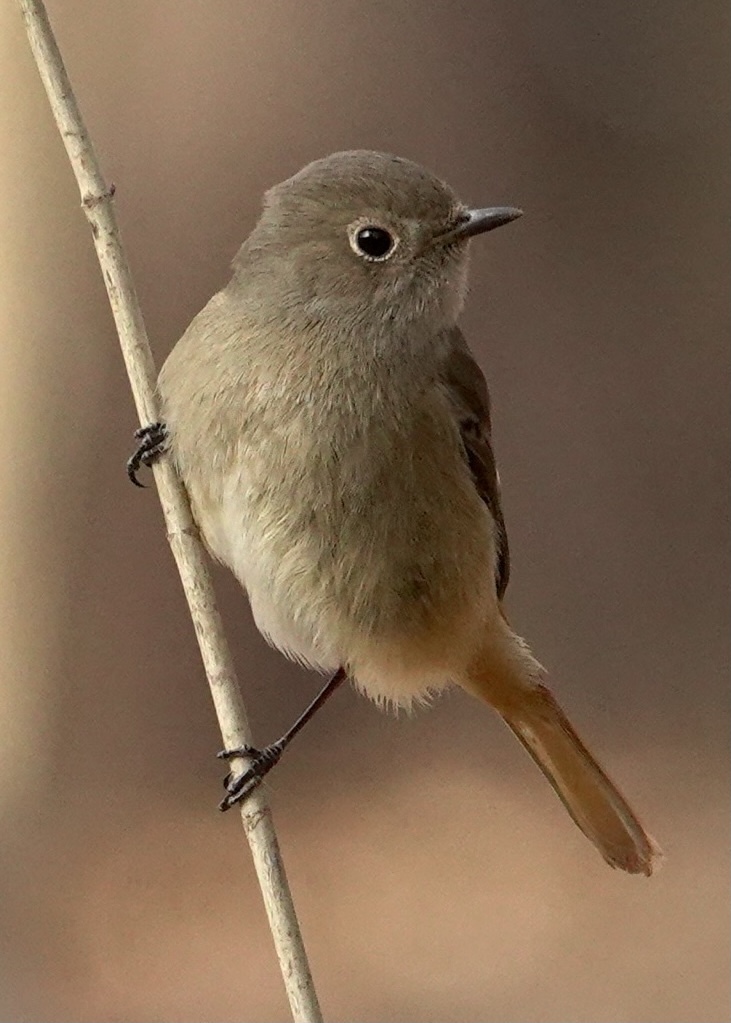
(96, 199)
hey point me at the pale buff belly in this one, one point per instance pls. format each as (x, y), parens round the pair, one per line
(378, 556)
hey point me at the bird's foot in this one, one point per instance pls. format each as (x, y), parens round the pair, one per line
(153, 442)
(261, 761)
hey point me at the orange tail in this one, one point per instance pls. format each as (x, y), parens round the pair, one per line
(592, 799)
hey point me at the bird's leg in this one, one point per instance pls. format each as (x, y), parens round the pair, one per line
(261, 761)
(153, 441)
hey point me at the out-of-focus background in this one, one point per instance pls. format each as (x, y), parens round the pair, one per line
(436, 875)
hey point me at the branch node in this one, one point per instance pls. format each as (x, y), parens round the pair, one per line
(90, 202)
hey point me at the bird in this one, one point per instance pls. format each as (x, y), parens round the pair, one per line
(333, 431)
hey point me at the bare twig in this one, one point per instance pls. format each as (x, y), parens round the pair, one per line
(97, 202)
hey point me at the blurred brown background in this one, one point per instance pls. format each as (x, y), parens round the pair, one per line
(436, 875)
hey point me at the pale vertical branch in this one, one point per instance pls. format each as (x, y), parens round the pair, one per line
(97, 201)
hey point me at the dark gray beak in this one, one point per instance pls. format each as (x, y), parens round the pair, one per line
(479, 221)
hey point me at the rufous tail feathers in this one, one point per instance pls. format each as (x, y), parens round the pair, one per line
(597, 806)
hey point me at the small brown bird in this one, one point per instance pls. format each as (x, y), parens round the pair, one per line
(333, 432)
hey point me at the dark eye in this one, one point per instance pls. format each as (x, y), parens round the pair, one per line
(373, 242)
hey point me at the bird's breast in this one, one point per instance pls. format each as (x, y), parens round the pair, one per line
(361, 508)
(340, 499)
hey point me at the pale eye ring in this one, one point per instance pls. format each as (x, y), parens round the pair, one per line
(371, 241)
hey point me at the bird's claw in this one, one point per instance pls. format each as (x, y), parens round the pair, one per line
(153, 442)
(239, 786)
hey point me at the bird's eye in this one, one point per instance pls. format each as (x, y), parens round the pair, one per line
(372, 242)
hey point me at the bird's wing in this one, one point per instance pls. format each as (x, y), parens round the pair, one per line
(470, 398)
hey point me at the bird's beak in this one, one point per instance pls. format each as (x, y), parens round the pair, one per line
(478, 221)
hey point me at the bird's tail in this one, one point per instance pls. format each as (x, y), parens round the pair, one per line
(532, 712)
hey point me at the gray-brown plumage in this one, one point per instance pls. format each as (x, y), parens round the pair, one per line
(333, 431)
